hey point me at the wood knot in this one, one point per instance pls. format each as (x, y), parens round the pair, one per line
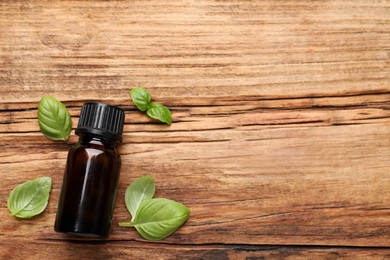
(69, 34)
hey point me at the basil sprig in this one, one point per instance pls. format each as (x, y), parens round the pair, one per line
(30, 198)
(160, 112)
(143, 100)
(158, 218)
(54, 119)
(141, 189)
(154, 219)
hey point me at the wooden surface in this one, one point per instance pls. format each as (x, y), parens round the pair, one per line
(280, 144)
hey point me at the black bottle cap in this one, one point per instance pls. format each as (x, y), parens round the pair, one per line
(103, 120)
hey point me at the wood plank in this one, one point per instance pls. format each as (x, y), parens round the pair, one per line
(284, 185)
(37, 249)
(193, 48)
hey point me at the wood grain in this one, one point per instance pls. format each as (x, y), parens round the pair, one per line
(120, 249)
(280, 143)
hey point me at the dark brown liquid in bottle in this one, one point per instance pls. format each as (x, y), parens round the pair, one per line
(89, 188)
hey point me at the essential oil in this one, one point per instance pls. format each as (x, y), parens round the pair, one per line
(92, 171)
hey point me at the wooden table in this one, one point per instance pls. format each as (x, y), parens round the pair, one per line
(280, 144)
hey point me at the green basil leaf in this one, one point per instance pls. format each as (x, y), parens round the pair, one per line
(160, 112)
(141, 189)
(158, 218)
(141, 98)
(30, 198)
(54, 119)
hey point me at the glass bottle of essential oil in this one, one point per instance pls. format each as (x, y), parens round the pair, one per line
(92, 171)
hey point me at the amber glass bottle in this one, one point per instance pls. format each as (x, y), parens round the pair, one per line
(92, 171)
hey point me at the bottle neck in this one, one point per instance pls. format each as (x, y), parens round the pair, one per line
(95, 139)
